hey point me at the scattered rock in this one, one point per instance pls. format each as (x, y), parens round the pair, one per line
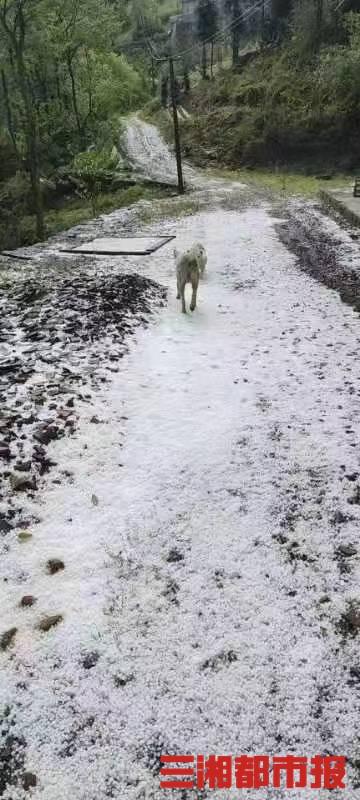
(355, 499)
(22, 483)
(219, 575)
(339, 518)
(24, 536)
(90, 660)
(43, 462)
(55, 565)
(346, 550)
(47, 623)
(47, 433)
(174, 556)
(28, 780)
(281, 538)
(9, 365)
(64, 318)
(65, 413)
(121, 679)
(27, 601)
(23, 466)
(5, 526)
(94, 500)
(12, 756)
(5, 452)
(352, 477)
(222, 659)
(171, 591)
(354, 676)
(7, 638)
(95, 420)
(349, 624)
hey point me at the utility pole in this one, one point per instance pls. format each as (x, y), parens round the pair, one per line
(176, 127)
(319, 21)
(153, 75)
(263, 21)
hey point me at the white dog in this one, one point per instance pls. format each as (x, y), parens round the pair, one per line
(190, 268)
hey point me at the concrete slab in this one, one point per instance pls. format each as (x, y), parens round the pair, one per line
(117, 246)
(21, 254)
(343, 200)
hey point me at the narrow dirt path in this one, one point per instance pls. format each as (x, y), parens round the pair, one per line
(206, 511)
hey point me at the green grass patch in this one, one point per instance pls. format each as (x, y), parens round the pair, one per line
(78, 211)
(281, 182)
(175, 209)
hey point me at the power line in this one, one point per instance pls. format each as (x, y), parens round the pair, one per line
(219, 35)
(339, 5)
(150, 46)
(242, 18)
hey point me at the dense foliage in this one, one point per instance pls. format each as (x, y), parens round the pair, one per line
(294, 100)
(68, 69)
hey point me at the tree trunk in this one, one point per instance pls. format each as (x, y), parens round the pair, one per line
(319, 21)
(74, 98)
(57, 81)
(212, 60)
(90, 86)
(32, 145)
(17, 40)
(187, 86)
(9, 116)
(153, 84)
(204, 62)
(235, 47)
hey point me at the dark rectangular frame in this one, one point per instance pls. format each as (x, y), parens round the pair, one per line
(88, 252)
(163, 240)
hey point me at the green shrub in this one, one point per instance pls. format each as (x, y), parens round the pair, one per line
(95, 171)
(280, 110)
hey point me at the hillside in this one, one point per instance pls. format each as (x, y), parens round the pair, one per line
(282, 109)
(295, 103)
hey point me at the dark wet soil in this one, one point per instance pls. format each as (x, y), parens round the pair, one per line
(69, 333)
(318, 254)
(12, 754)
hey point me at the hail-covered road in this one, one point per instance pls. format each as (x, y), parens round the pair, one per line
(191, 559)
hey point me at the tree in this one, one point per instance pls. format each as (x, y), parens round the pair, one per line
(316, 23)
(280, 16)
(60, 82)
(15, 24)
(207, 25)
(350, 5)
(234, 9)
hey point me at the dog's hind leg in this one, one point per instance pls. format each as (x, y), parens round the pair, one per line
(182, 293)
(195, 284)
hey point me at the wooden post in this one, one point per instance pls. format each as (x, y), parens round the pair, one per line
(176, 128)
(153, 76)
